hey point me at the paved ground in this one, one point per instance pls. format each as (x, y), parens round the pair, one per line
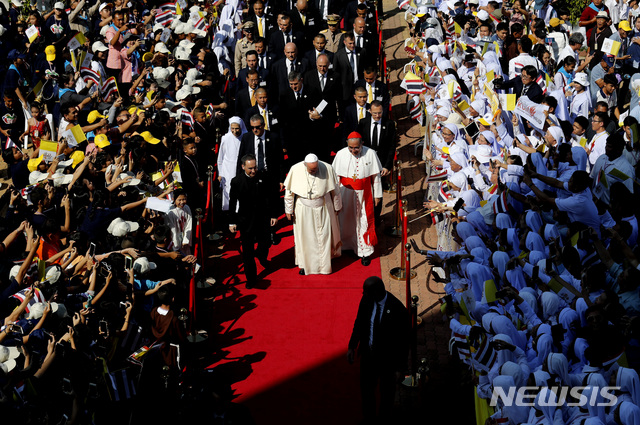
(447, 386)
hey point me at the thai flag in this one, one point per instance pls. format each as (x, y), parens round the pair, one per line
(210, 111)
(485, 356)
(403, 3)
(109, 87)
(171, 7)
(542, 82)
(187, 118)
(164, 18)
(9, 144)
(37, 297)
(416, 112)
(201, 25)
(501, 205)
(89, 74)
(415, 86)
(443, 193)
(459, 343)
(494, 19)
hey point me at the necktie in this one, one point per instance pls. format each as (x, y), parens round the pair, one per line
(260, 155)
(253, 97)
(374, 139)
(260, 30)
(266, 121)
(359, 41)
(322, 8)
(263, 62)
(370, 98)
(321, 82)
(361, 113)
(293, 66)
(288, 38)
(304, 19)
(353, 64)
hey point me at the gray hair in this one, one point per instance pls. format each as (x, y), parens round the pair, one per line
(294, 76)
(576, 38)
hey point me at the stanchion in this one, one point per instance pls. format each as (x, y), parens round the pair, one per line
(393, 179)
(403, 272)
(396, 230)
(196, 336)
(413, 380)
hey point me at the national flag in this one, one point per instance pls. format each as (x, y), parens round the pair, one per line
(601, 178)
(455, 92)
(485, 356)
(210, 111)
(9, 144)
(444, 193)
(201, 25)
(494, 19)
(164, 18)
(459, 343)
(122, 385)
(171, 7)
(109, 87)
(542, 82)
(187, 118)
(500, 205)
(89, 74)
(517, 68)
(403, 3)
(37, 297)
(413, 84)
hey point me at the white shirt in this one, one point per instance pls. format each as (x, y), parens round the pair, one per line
(264, 150)
(597, 145)
(519, 62)
(361, 110)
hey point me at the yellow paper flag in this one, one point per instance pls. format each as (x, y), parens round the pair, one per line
(618, 174)
(457, 28)
(463, 105)
(610, 47)
(508, 101)
(48, 150)
(490, 76)
(77, 132)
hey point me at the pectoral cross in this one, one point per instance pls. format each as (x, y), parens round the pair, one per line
(354, 176)
(309, 194)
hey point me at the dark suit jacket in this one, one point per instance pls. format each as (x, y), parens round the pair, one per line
(280, 76)
(272, 150)
(270, 61)
(277, 42)
(342, 66)
(242, 78)
(258, 202)
(534, 93)
(310, 28)
(350, 120)
(391, 340)
(351, 13)
(270, 24)
(380, 92)
(301, 133)
(310, 56)
(332, 92)
(273, 115)
(386, 146)
(243, 101)
(369, 46)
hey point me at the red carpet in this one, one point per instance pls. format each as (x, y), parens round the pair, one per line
(285, 341)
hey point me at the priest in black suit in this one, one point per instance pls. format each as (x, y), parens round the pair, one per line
(286, 34)
(302, 123)
(319, 43)
(381, 336)
(344, 62)
(269, 112)
(282, 68)
(257, 200)
(266, 147)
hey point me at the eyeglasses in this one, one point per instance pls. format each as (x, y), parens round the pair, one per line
(254, 127)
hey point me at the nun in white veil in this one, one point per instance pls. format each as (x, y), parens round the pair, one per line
(228, 157)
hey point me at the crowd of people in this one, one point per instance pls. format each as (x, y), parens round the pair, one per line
(532, 155)
(120, 122)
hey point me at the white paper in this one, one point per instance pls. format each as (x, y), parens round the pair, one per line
(323, 104)
(86, 63)
(531, 111)
(157, 204)
(166, 33)
(31, 31)
(73, 44)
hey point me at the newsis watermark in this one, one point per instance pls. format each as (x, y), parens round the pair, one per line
(525, 396)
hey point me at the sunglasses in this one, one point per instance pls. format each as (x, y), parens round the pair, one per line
(254, 127)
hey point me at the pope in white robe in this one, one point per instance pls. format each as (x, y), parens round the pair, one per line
(358, 169)
(312, 199)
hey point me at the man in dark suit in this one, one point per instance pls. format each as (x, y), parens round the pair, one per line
(379, 134)
(319, 43)
(306, 20)
(257, 201)
(282, 68)
(365, 42)
(266, 147)
(302, 124)
(265, 59)
(381, 335)
(525, 85)
(252, 63)
(245, 98)
(326, 8)
(353, 113)
(351, 11)
(286, 34)
(265, 24)
(376, 90)
(270, 113)
(330, 91)
(349, 63)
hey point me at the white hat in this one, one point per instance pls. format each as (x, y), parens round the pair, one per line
(483, 153)
(182, 54)
(36, 311)
(199, 33)
(99, 46)
(483, 15)
(158, 27)
(8, 356)
(59, 5)
(195, 9)
(422, 10)
(59, 310)
(186, 44)
(602, 14)
(14, 271)
(132, 182)
(118, 227)
(582, 79)
(142, 265)
(179, 28)
(192, 77)
(60, 179)
(162, 48)
(2, 29)
(103, 30)
(310, 158)
(183, 93)
(17, 3)
(161, 75)
(188, 28)
(52, 273)
(37, 177)
(103, 5)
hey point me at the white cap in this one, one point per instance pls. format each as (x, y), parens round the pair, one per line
(310, 158)
(103, 5)
(199, 33)
(183, 93)
(52, 273)
(161, 75)
(59, 5)
(118, 227)
(422, 10)
(60, 179)
(59, 309)
(8, 356)
(103, 30)
(14, 271)
(179, 28)
(181, 54)
(36, 311)
(99, 46)
(158, 27)
(483, 153)
(186, 44)
(188, 28)
(2, 29)
(142, 265)
(582, 79)
(37, 177)
(483, 15)
(162, 48)
(17, 3)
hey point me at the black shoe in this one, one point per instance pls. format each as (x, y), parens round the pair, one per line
(301, 272)
(275, 238)
(264, 262)
(366, 261)
(250, 285)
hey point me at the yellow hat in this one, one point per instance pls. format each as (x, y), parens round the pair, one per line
(624, 25)
(554, 22)
(32, 165)
(147, 57)
(93, 116)
(133, 110)
(148, 137)
(50, 51)
(101, 141)
(484, 122)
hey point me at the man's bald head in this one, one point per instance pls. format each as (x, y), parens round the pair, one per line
(322, 63)
(374, 288)
(358, 26)
(301, 5)
(290, 51)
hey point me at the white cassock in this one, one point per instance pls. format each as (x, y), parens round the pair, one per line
(227, 165)
(314, 200)
(359, 184)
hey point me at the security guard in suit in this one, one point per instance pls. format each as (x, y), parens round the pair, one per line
(333, 34)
